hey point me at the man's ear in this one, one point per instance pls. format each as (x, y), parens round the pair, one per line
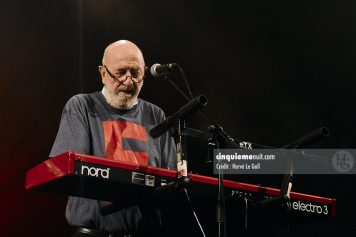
(102, 72)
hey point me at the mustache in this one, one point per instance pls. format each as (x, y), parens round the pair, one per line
(126, 88)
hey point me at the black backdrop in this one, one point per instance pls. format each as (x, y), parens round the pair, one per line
(272, 70)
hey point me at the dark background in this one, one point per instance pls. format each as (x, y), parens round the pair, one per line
(272, 70)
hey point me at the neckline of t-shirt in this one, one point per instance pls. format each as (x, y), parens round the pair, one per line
(119, 111)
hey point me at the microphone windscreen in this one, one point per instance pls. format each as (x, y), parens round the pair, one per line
(153, 69)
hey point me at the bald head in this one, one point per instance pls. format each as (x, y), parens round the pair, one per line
(123, 50)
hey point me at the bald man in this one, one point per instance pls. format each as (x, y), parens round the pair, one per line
(114, 124)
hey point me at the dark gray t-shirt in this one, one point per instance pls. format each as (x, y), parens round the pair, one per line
(89, 125)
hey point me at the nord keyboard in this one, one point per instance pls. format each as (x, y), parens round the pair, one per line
(87, 176)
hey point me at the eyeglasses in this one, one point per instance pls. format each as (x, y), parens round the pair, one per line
(120, 76)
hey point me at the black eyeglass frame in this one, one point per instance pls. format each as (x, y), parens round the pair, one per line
(134, 79)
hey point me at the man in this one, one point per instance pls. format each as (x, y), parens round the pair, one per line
(114, 124)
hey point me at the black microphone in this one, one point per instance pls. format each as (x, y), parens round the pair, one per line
(191, 107)
(158, 70)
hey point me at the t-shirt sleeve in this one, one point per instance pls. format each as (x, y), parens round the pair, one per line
(73, 133)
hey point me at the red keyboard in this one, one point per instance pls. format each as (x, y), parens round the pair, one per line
(87, 176)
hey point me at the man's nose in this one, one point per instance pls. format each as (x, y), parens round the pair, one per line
(128, 78)
(128, 73)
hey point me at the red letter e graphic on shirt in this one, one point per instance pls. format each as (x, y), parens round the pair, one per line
(114, 131)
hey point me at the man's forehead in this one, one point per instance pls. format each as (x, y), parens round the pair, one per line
(122, 60)
(123, 53)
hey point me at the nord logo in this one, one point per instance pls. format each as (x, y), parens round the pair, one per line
(95, 172)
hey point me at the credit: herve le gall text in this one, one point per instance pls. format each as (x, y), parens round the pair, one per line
(246, 166)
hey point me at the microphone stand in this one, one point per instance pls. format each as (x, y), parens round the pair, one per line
(166, 77)
(284, 196)
(182, 168)
(222, 140)
(178, 118)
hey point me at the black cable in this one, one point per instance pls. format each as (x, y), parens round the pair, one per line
(185, 81)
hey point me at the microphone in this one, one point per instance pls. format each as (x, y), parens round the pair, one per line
(158, 70)
(191, 107)
(310, 138)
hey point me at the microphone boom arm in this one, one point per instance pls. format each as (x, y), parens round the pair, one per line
(189, 108)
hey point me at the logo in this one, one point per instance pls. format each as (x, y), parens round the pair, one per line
(311, 208)
(343, 161)
(115, 135)
(95, 172)
(245, 145)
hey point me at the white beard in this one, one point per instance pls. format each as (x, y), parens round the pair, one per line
(120, 99)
